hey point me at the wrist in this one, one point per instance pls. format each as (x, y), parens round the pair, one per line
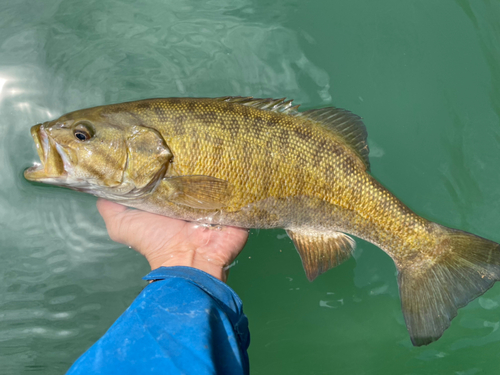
(190, 258)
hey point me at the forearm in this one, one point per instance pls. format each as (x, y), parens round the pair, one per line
(185, 322)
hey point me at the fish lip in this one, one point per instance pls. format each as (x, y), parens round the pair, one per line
(37, 138)
(33, 172)
(52, 164)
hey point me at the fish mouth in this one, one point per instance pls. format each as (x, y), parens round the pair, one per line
(52, 157)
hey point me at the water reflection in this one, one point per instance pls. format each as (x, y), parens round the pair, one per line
(2, 83)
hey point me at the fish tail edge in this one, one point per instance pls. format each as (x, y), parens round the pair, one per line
(461, 268)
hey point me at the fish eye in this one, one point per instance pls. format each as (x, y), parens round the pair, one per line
(82, 136)
(83, 132)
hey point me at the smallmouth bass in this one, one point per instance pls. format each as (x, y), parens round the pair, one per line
(260, 163)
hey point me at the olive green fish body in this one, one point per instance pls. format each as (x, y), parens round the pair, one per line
(259, 163)
(281, 168)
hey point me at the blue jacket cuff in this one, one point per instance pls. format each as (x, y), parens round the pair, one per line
(221, 292)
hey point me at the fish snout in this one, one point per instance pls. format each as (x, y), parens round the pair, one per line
(51, 164)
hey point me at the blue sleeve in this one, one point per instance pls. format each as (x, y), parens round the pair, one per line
(186, 322)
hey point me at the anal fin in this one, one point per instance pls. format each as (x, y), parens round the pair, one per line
(321, 251)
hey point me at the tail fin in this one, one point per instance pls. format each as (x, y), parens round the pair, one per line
(462, 267)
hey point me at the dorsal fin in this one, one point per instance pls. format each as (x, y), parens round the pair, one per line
(345, 124)
(275, 105)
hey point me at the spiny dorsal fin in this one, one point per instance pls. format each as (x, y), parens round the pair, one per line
(321, 251)
(345, 124)
(275, 105)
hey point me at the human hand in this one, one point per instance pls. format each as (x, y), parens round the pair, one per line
(171, 242)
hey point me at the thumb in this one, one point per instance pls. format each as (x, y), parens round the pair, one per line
(112, 213)
(109, 209)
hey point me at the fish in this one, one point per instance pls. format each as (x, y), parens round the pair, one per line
(262, 163)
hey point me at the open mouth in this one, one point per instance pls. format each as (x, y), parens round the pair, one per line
(52, 164)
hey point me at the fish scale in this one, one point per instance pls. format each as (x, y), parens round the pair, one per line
(260, 163)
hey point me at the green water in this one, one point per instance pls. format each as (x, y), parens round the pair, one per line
(425, 75)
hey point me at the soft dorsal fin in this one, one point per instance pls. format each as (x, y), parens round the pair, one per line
(345, 124)
(321, 251)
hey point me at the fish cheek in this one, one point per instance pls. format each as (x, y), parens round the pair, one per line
(102, 162)
(148, 156)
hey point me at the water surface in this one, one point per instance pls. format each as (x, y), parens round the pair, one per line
(424, 76)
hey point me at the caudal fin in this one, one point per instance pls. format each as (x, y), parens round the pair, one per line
(461, 268)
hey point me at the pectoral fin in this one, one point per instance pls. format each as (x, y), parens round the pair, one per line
(321, 251)
(202, 192)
